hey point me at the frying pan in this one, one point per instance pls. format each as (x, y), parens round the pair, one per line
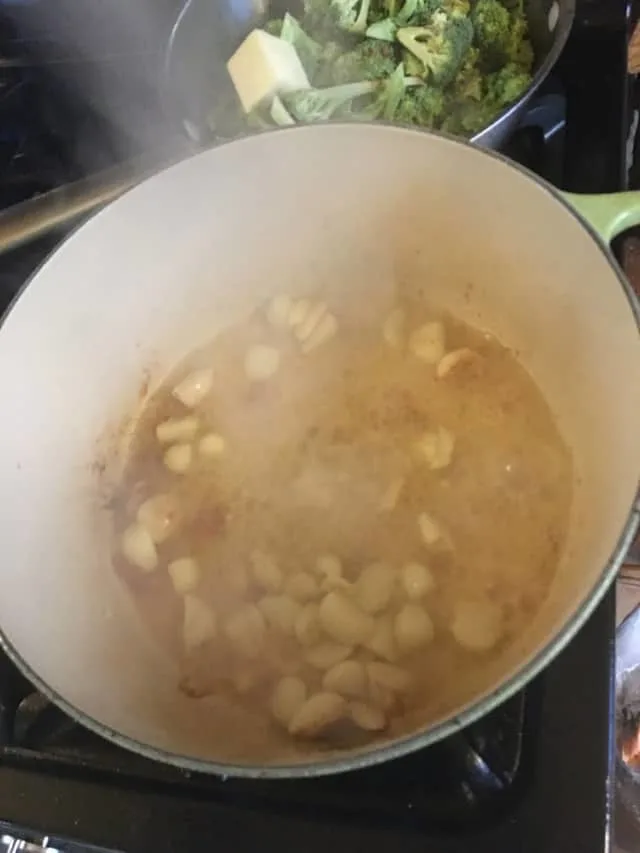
(186, 252)
(199, 101)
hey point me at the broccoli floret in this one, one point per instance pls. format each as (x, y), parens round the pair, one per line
(352, 15)
(320, 19)
(415, 13)
(421, 105)
(491, 27)
(412, 65)
(418, 13)
(311, 105)
(519, 49)
(469, 81)
(468, 114)
(307, 48)
(441, 46)
(390, 94)
(465, 119)
(274, 27)
(457, 8)
(369, 60)
(383, 30)
(368, 99)
(505, 86)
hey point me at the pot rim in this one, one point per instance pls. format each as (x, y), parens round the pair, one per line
(475, 708)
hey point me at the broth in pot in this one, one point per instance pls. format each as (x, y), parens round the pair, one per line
(329, 523)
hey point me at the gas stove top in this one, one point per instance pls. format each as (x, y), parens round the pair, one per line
(533, 776)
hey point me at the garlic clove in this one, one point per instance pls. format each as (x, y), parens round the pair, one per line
(429, 529)
(317, 713)
(245, 629)
(417, 580)
(305, 329)
(185, 574)
(211, 445)
(192, 390)
(139, 548)
(279, 311)
(160, 515)
(427, 342)
(324, 331)
(457, 359)
(374, 587)
(413, 628)
(343, 621)
(266, 572)
(288, 697)
(177, 429)
(302, 587)
(436, 448)
(477, 625)
(307, 626)
(178, 458)
(199, 623)
(261, 362)
(367, 717)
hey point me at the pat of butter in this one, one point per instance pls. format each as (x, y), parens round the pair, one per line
(264, 66)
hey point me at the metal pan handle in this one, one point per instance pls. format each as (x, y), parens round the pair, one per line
(67, 205)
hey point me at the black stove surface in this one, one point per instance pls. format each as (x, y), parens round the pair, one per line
(532, 776)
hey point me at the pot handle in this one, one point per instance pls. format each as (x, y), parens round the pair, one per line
(609, 214)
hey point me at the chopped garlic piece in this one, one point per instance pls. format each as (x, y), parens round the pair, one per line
(429, 529)
(367, 717)
(288, 697)
(316, 714)
(305, 329)
(211, 445)
(374, 587)
(477, 625)
(417, 580)
(382, 642)
(299, 311)
(139, 548)
(427, 342)
(178, 458)
(266, 572)
(184, 574)
(413, 628)
(456, 358)
(245, 629)
(323, 332)
(192, 390)
(177, 429)
(261, 362)
(343, 621)
(264, 66)
(199, 622)
(279, 310)
(436, 448)
(160, 516)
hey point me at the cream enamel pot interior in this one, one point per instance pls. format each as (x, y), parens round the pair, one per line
(180, 256)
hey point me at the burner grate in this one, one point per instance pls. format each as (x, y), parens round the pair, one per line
(468, 779)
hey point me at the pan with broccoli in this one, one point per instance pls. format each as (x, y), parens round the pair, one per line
(453, 65)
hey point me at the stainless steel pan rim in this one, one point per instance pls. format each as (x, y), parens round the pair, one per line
(370, 756)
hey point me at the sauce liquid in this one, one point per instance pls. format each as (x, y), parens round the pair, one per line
(311, 456)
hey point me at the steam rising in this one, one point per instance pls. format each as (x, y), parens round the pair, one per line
(111, 56)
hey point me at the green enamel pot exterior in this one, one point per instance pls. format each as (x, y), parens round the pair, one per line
(609, 214)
